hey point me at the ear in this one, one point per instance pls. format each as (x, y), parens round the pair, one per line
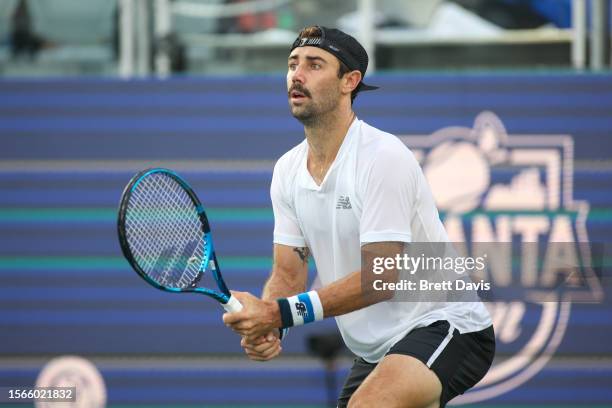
(350, 81)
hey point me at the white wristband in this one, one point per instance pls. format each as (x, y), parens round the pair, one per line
(305, 308)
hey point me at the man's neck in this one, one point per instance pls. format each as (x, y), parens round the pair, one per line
(324, 140)
(325, 137)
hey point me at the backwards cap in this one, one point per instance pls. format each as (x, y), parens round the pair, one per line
(346, 48)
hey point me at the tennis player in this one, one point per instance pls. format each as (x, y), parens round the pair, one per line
(350, 193)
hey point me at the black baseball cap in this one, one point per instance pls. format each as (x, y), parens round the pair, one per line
(345, 47)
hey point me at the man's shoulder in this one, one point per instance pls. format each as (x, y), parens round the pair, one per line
(291, 158)
(377, 144)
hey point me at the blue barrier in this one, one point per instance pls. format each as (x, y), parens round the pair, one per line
(65, 284)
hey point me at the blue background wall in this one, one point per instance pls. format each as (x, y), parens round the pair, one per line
(65, 289)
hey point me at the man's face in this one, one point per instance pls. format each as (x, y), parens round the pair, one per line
(312, 83)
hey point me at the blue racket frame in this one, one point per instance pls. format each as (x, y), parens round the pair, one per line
(209, 260)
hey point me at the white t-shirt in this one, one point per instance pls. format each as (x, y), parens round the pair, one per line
(374, 191)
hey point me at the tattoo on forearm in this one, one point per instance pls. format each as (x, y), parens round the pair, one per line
(303, 253)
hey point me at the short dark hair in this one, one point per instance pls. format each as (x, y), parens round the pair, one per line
(315, 32)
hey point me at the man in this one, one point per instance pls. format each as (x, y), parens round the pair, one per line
(347, 194)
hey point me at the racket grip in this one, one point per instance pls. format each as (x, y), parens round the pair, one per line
(232, 305)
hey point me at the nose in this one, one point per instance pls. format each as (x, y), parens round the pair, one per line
(297, 75)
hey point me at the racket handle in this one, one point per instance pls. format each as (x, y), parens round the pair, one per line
(232, 305)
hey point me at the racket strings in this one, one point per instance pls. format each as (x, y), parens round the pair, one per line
(164, 231)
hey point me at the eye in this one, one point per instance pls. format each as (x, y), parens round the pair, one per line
(316, 66)
(292, 67)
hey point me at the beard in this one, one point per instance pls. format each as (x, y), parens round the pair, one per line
(312, 111)
(306, 114)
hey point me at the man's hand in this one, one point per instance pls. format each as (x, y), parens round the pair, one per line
(263, 348)
(257, 318)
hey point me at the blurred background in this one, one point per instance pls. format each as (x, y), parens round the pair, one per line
(92, 91)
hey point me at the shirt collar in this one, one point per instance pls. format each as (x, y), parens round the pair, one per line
(305, 180)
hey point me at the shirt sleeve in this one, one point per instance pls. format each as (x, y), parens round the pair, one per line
(286, 227)
(391, 188)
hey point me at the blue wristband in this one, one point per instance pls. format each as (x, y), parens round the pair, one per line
(300, 309)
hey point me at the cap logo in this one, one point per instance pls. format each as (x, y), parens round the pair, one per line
(309, 41)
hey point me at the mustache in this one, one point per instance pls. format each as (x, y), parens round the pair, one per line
(298, 88)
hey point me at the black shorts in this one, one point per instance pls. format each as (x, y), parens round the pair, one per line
(459, 360)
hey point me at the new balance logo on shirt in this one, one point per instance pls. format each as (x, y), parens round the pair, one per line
(344, 203)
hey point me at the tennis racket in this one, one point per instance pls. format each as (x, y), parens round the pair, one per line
(165, 236)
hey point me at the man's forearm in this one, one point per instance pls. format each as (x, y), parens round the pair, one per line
(289, 272)
(281, 285)
(348, 294)
(355, 291)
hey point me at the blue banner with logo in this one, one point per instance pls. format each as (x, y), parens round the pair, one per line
(519, 157)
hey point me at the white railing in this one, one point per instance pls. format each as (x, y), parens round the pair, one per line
(137, 15)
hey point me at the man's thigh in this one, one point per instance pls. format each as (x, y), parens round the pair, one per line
(357, 375)
(398, 381)
(457, 361)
